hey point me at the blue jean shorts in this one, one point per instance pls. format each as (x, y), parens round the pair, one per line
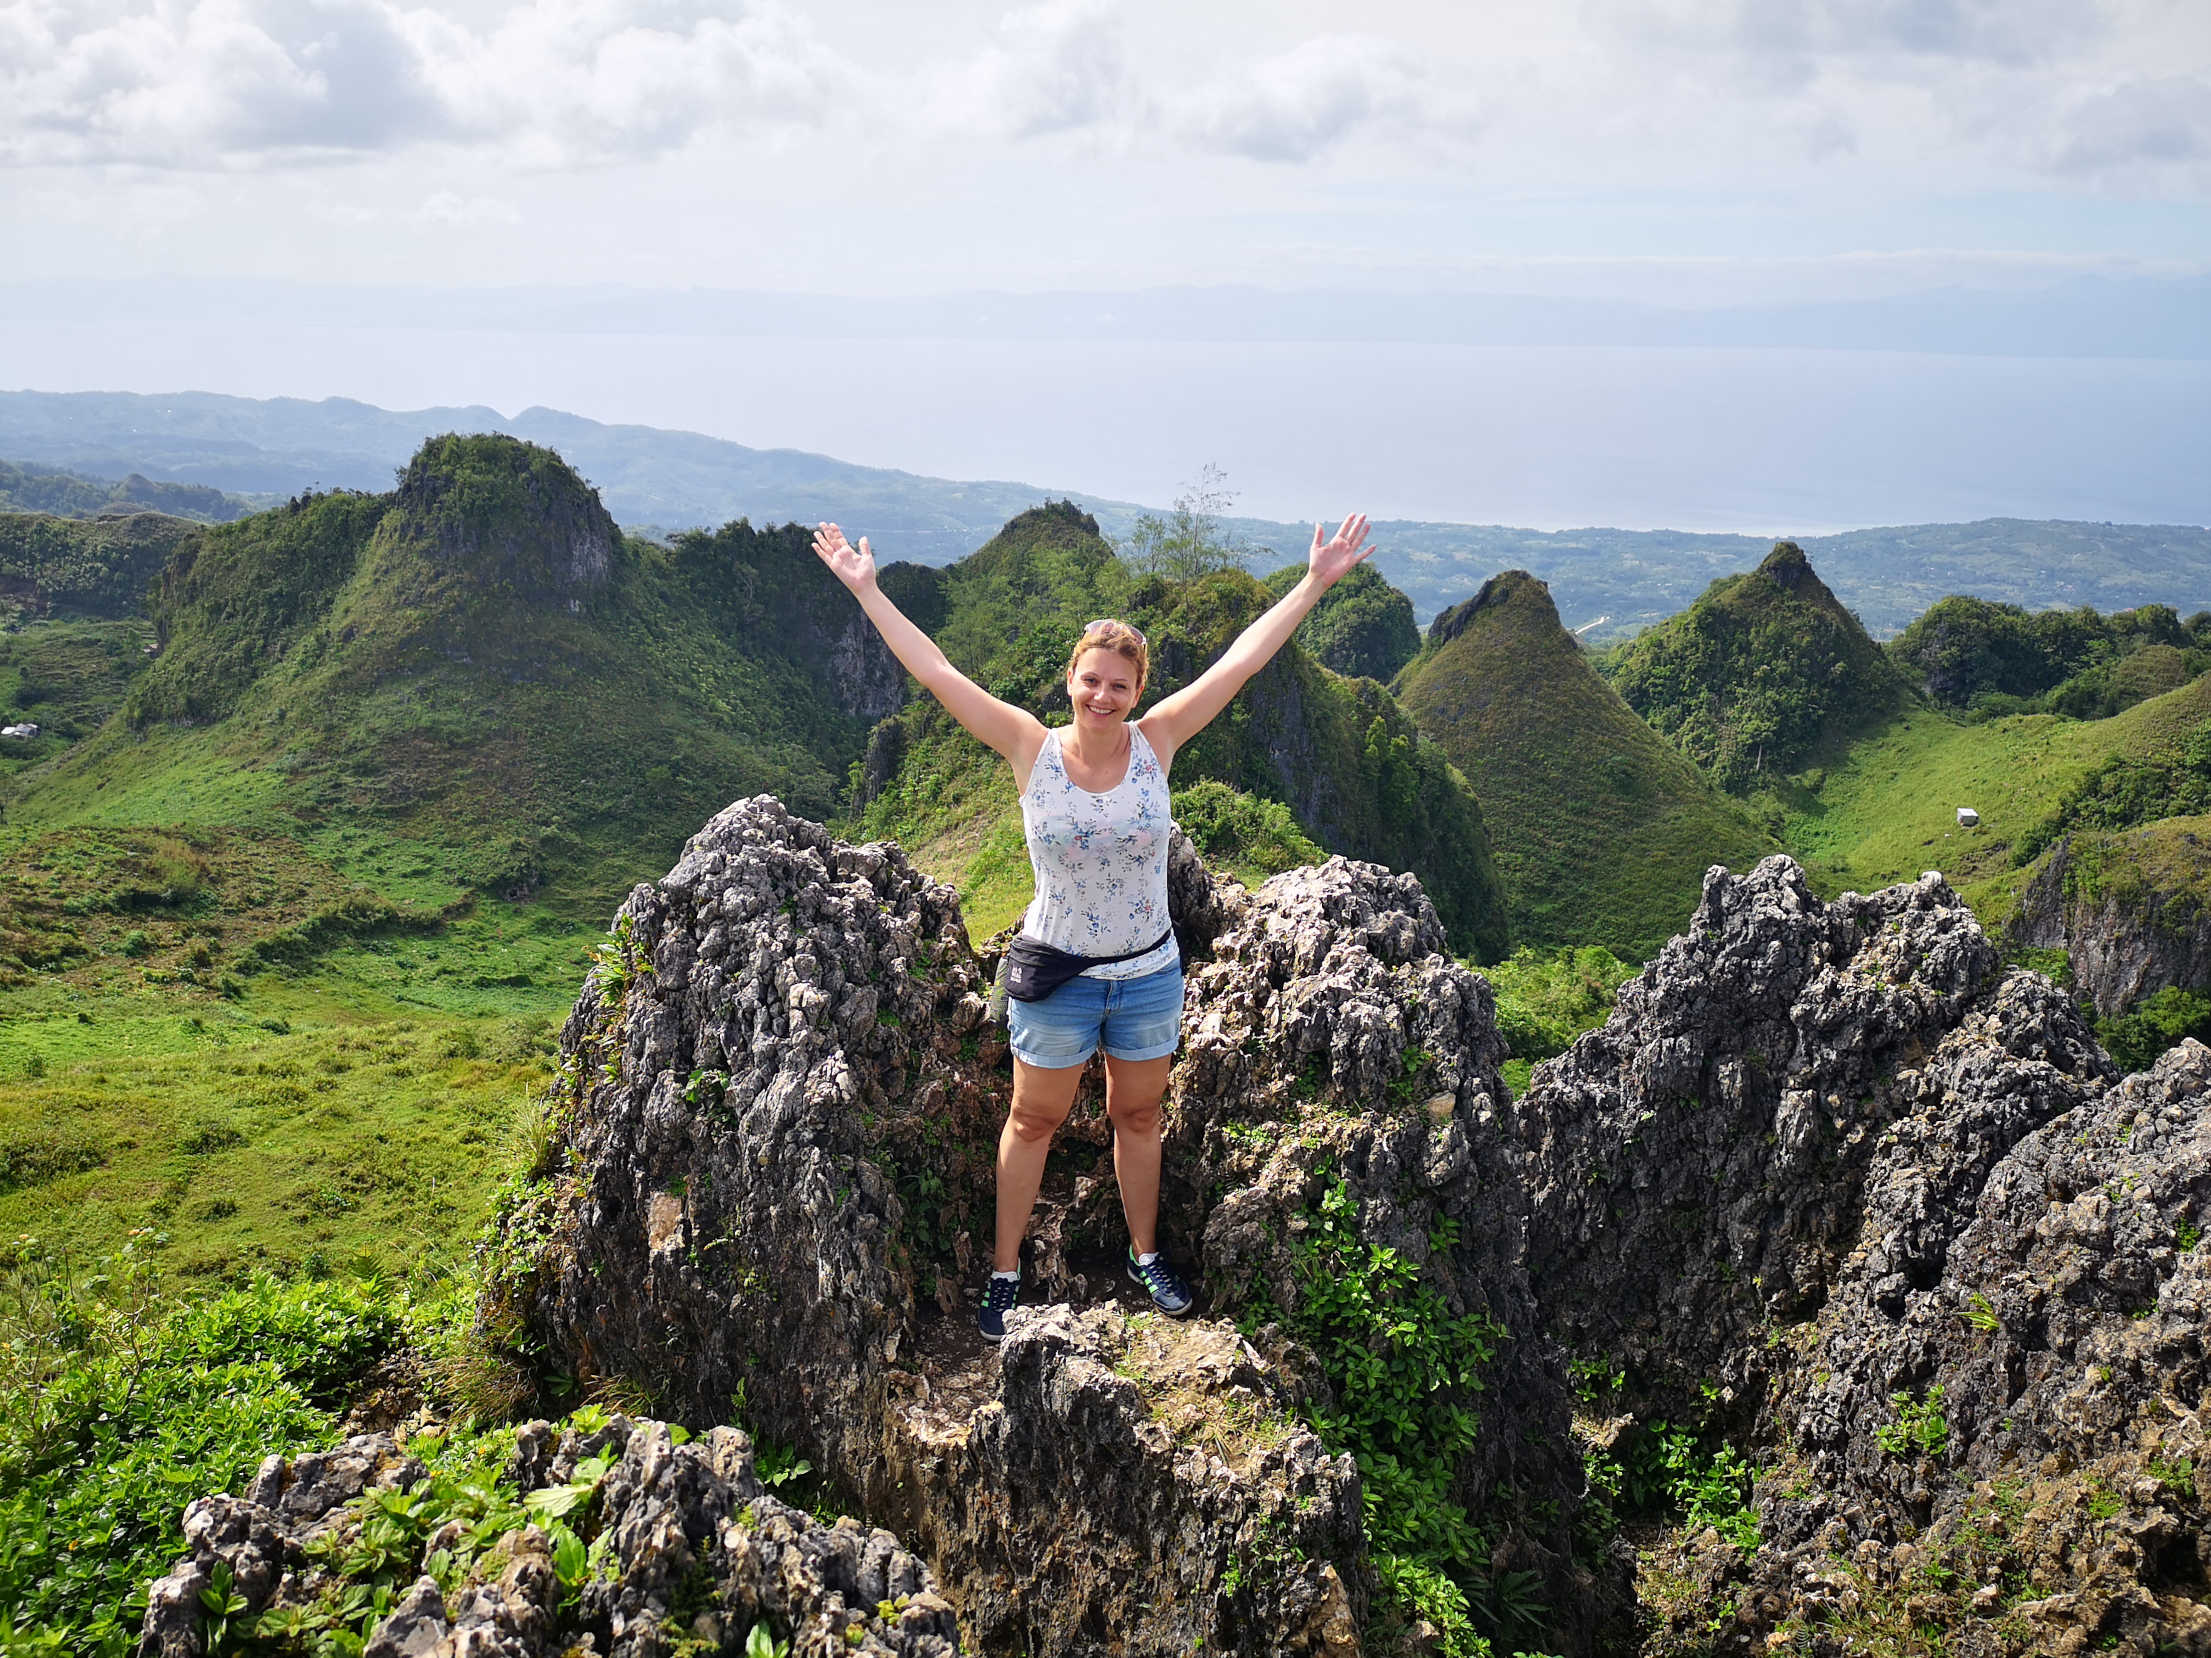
(1135, 1018)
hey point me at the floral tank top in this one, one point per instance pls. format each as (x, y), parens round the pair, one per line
(1100, 861)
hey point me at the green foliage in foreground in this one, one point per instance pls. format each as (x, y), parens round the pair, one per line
(1403, 1368)
(118, 1405)
(1764, 671)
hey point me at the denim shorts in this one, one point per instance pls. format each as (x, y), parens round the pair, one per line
(1136, 1018)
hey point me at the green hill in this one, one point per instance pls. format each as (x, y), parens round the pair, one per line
(1981, 657)
(1764, 673)
(1338, 753)
(76, 568)
(28, 488)
(478, 675)
(1362, 627)
(1602, 832)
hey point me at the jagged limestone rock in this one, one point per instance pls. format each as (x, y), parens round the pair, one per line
(778, 1118)
(690, 1536)
(1834, 1179)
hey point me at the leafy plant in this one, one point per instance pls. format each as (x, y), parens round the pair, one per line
(1919, 1426)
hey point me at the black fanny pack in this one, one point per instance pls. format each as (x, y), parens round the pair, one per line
(1034, 969)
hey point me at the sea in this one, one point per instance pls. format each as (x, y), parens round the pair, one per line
(1546, 437)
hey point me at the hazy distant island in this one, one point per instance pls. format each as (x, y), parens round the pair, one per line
(1606, 583)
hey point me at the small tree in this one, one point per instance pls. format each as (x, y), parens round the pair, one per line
(1189, 540)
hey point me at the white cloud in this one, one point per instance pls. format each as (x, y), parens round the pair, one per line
(220, 82)
(1319, 95)
(2154, 126)
(1057, 66)
(1064, 66)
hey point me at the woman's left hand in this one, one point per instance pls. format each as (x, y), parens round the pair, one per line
(1330, 559)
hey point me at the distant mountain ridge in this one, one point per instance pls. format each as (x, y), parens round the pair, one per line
(1607, 583)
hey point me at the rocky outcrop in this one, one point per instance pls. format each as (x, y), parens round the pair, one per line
(1834, 1180)
(779, 1106)
(2129, 915)
(686, 1547)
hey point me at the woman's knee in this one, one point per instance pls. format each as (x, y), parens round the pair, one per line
(1134, 1117)
(1034, 1120)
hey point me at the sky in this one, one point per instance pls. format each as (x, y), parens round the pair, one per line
(1681, 152)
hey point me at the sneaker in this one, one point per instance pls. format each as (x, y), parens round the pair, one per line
(1165, 1286)
(999, 1296)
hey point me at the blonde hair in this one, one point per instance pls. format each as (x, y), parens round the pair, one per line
(1116, 636)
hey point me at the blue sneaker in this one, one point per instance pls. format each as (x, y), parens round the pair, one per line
(1165, 1286)
(999, 1296)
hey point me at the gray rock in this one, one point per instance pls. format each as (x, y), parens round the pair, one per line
(1832, 1179)
(2125, 939)
(682, 1525)
(805, 1233)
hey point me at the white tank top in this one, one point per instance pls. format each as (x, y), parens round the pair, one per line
(1100, 860)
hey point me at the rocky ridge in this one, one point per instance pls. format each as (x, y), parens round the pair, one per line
(1832, 1185)
(780, 1102)
(1836, 1182)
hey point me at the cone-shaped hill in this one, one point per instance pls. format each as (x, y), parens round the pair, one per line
(1765, 672)
(1339, 753)
(481, 664)
(1601, 831)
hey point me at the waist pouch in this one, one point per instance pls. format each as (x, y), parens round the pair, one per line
(1033, 969)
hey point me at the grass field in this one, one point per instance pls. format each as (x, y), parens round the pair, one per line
(1889, 810)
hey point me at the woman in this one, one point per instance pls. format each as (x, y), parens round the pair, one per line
(1094, 808)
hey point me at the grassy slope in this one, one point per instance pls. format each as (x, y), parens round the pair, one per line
(264, 983)
(340, 1108)
(1889, 809)
(1340, 754)
(1602, 832)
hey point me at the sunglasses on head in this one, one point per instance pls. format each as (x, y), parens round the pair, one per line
(1115, 621)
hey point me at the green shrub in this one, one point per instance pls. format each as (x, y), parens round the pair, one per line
(1403, 1369)
(1546, 998)
(1251, 838)
(1920, 1426)
(118, 1405)
(2135, 1039)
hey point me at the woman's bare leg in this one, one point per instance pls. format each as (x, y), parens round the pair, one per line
(1041, 1100)
(1133, 1091)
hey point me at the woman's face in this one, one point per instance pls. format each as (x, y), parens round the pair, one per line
(1103, 685)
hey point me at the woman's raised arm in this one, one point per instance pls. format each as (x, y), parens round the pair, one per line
(1191, 709)
(1013, 732)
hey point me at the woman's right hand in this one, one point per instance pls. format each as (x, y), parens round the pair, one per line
(854, 566)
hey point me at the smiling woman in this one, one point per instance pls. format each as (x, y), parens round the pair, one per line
(1096, 964)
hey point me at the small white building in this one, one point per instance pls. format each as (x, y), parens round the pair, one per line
(25, 730)
(1968, 818)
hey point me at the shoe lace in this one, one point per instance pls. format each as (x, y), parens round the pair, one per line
(1158, 1275)
(1002, 1293)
